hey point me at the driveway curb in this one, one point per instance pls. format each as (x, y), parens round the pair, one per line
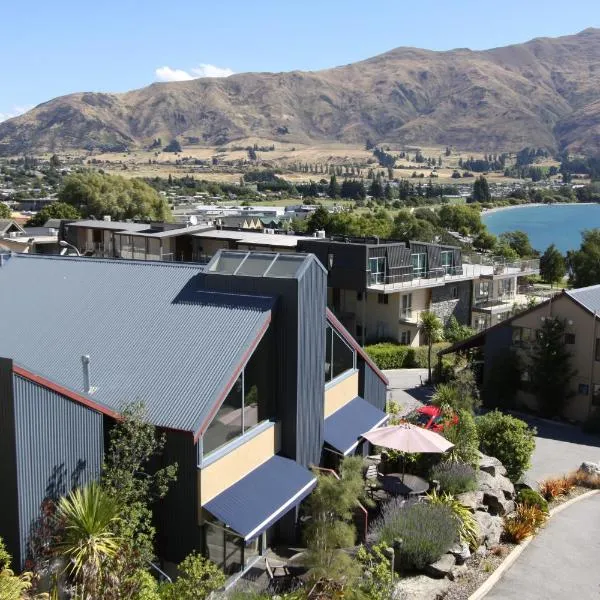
(493, 579)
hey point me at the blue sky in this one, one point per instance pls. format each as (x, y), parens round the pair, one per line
(51, 48)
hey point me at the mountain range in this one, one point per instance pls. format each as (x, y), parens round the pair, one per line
(544, 93)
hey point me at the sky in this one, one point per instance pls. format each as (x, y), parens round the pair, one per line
(49, 49)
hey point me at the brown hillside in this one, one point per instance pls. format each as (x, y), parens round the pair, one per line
(544, 93)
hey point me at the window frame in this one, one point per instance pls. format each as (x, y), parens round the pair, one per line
(444, 254)
(419, 270)
(377, 275)
(331, 357)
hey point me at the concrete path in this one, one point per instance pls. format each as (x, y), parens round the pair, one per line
(562, 560)
(405, 388)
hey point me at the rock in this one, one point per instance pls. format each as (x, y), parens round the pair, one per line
(481, 551)
(489, 528)
(472, 500)
(497, 503)
(590, 467)
(458, 571)
(420, 587)
(441, 567)
(491, 465)
(486, 483)
(461, 552)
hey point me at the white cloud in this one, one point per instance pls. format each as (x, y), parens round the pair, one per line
(15, 111)
(203, 70)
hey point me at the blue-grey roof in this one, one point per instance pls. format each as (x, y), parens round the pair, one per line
(345, 426)
(589, 297)
(255, 502)
(153, 333)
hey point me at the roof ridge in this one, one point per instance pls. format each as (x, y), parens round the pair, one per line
(117, 261)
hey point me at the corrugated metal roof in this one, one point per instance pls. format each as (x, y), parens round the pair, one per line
(153, 333)
(113, 225)
(277, 240)
(589, 297)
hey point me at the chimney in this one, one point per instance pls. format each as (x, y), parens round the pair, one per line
(85, 362)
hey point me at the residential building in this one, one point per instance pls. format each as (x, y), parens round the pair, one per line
(239, 363)
(32, 240)
(580, 311)
(379, 288)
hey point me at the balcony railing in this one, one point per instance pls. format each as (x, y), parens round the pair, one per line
(434, 277)
(503, 266)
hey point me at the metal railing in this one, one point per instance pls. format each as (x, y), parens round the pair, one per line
(425, 279)
(502, 265)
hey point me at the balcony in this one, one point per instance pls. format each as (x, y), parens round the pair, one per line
(494, 306)
(499, 267)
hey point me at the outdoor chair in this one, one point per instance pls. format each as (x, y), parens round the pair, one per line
(372, 481)
(280, 577)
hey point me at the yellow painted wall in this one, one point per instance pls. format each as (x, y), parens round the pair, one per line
(218, 476)
(586, 330)
(340, 394)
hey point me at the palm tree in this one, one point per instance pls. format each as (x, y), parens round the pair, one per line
(88, 516)
(433, 329)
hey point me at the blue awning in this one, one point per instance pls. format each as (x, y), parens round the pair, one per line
(262, 497)
(345, 426)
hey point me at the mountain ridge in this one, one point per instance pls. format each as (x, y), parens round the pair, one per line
(542, 93)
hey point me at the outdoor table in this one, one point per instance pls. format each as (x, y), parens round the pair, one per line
(411, 486)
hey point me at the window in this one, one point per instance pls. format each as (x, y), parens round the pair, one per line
(227, 423)
(569, 338)
(228, 550)
(377, 269)
(406, 306)
(583, 389)
(405, 338)
(447, 256)
(483, 289)
(382, 298)
(419, 264)
(454, 292)
(339, 356)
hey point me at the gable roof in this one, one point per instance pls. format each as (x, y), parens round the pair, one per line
(152, 331)
(7, 224)
(588, 297)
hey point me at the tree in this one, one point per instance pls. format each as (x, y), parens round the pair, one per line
(518, 241)
(54, 161)
(455, 332)
(197, 578)
(56, 210)
(172, 146)
(585, 262)
(100, 194)
(333, 191)
(128, 475)
(376, 189)
(320, 220)
(552, 265)
(5, 212)
(550, 370)
(463, 434)
(432, 328)
(481, 190)
(88, 515)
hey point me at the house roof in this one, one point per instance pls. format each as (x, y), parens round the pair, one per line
(152, 331)
(6, 224)
(277, 240)
(588, 297)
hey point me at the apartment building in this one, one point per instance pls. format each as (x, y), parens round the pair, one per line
(238, 362)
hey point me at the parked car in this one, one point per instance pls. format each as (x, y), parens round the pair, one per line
(431, 417)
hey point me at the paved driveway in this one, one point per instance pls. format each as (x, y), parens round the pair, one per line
(562, 560)
(405, 388)
(559, 449)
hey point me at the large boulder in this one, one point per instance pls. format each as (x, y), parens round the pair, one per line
(497, 503)
(442, 567)
(461, 552)
(491, 465)
(489, 483)
(489, 528)
(472, 500)
(591, 468)
(421, 587)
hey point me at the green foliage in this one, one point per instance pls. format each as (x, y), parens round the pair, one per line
(330, 528)
(454, 477)
(455, 332)
(508, 439)
(56, 210)
(523, 523)
(88, 516)
(517, 241)
(468, 526)
(391, 356)
(552, 265)
(532, 498)
(5, 212)
(456, 394)
(172, 146)
(431, 326)
(376, 581)
(426, 531)
(550, 369)
(465, 438)
(197, 578)
(585, 262)
(100, 194)
(481, 190)
(421, 354)
(14, 587)
(461, 218)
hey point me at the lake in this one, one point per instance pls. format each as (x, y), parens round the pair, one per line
(560, 224)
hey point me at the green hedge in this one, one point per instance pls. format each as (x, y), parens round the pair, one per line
(388, 355)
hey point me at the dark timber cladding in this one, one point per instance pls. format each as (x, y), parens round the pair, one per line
(49, 463)
(299, 366)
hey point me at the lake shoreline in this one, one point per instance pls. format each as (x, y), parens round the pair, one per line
(496, 209)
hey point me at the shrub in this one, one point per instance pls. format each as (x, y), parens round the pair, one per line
(468, 525)
(465, 439)
(376, 581)
(427, 531)
(529, 497)
(198, 577)
(525, 521)
(391, 356)
(420, 353)
(454, 477)
(554, 487)
(508, 439)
